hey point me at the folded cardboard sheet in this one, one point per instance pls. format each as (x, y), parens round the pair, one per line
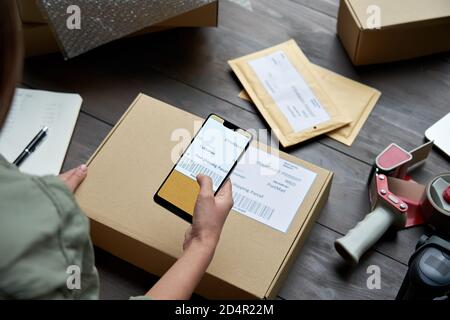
(252, 259)
(354, 99)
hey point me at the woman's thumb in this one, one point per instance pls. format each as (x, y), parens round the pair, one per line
(206, 185)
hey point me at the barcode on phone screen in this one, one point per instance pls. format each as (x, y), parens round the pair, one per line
(196, 168)
(247, 205)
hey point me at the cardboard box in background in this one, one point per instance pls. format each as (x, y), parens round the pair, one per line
(206, 16)
(29, 12)
(39, 39)
(252, 259)
(409, 29)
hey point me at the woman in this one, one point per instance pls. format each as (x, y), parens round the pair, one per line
(43, 231)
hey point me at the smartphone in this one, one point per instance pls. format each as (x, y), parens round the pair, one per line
(214, 152)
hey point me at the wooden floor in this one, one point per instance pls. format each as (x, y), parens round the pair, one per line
(188, 68)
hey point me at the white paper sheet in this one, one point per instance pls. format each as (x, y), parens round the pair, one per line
(440, 133)
(290, 91)
(269, 189)
(30, 112)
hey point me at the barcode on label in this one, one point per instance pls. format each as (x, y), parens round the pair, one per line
(196, 168)
(247, 205)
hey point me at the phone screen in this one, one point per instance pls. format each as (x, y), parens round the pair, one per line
(214, 152)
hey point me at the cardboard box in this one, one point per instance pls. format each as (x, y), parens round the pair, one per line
(125, 172)
(29, 12)
(39, 39)
(408, 29)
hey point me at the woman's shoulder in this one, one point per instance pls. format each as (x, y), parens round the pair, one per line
(42, 232)
(26, 211)
(32, 209)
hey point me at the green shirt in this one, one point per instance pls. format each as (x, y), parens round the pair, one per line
(44, 240)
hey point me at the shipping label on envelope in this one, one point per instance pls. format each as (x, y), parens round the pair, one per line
(284, 88)
(354, 99)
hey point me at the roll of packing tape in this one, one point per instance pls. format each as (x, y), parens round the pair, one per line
(437, 213)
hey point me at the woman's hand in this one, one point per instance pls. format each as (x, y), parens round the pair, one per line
(209, 215)
(199, 245)
(73, 178)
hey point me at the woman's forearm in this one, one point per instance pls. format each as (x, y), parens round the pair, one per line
(183, 277)
(199, 245)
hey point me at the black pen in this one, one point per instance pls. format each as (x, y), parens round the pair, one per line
(31, 147)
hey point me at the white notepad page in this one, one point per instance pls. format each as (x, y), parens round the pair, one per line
(31, 111)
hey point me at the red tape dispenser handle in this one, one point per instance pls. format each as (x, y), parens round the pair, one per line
(388, 209)
(389, 198)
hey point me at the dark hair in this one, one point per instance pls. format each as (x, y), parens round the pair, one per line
(10, 55)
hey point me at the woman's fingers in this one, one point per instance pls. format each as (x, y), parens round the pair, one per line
(226, 190)
(73, 178)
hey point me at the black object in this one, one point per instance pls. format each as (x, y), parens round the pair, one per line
(173, 208)
(428, 276)
(31, 147)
